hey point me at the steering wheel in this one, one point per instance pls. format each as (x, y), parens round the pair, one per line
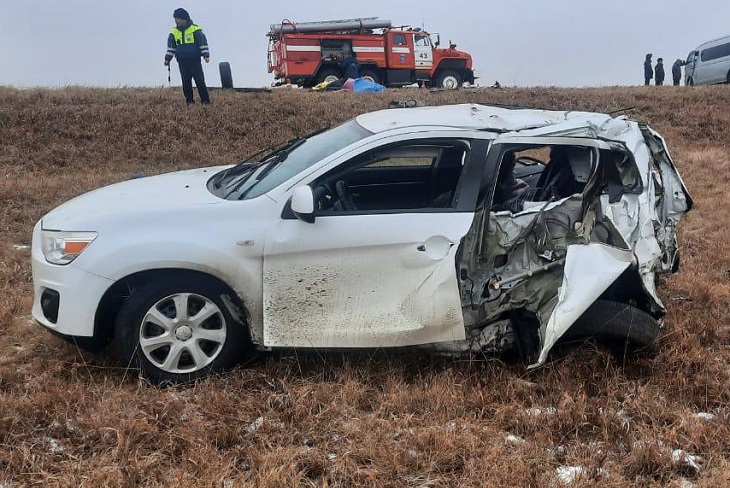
(345, 197)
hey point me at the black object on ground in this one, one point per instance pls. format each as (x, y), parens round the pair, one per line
(226, 75)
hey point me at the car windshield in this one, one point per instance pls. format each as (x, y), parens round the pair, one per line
(253, 179)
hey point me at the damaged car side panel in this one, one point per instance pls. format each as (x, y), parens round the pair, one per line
(554, 259)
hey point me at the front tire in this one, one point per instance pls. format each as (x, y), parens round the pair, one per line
(449, 80)
(179, 330)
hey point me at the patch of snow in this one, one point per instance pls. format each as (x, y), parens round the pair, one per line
(412, 453)
(685, 483)
(569, 474)
(331, 457)
(180, 395)
(636, 445)
(69, 425)
(255, 425)
(514, 439)
(706, 416)
(623, 414)
(21, 247)
(681, 457)
(56, 447)
(536, 412)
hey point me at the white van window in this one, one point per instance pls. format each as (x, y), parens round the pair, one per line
(716, 52)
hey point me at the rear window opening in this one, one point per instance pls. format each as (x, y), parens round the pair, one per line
(549, 173)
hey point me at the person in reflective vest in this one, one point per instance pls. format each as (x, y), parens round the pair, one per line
(188, 44)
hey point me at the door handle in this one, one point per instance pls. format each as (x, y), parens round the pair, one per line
(421, 248)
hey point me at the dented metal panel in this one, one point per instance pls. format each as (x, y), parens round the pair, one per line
(589, 271)
(555, 259)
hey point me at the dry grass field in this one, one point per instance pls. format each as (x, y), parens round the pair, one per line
(369, 419)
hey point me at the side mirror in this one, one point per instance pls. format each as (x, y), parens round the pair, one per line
(302, 204)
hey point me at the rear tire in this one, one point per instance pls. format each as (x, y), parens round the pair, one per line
(226, 75)
(178, 330)
(449, 80)
(616, 325)
(328, 74)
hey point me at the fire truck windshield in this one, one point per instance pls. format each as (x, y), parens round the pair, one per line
(285, 162)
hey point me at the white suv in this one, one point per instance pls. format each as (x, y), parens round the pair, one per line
(459, 228)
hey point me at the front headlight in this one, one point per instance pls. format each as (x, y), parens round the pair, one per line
(63, 247)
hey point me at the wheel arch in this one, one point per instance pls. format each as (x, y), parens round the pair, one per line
(111, 302)
(629, 289)
(371, 66)
(450, 64)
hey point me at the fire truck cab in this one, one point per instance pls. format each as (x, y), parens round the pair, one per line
(309, 53)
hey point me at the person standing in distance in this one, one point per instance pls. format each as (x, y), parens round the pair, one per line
(187, 44)
(677, 71)
(350, 66)
(648, 70)
(659, 72)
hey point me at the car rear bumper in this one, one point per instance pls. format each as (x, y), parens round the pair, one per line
(66, 297)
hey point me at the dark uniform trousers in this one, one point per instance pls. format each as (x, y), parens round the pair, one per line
(192, 69)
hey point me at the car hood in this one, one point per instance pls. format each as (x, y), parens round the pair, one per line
(148, 195)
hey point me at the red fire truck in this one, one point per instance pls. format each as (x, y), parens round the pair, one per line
(312, 52)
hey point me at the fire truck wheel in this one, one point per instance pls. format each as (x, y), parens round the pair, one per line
(370, 75)
(329, 75)
(226, 76)
(449, 80)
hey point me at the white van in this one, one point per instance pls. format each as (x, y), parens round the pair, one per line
(709, 63)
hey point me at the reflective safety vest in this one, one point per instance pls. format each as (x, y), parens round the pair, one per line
(187, 36)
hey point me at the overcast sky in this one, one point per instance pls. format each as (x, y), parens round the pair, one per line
(518, 42)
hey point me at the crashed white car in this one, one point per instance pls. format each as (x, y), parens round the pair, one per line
(458, 228)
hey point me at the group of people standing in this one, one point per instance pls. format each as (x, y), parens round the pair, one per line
(657, 72)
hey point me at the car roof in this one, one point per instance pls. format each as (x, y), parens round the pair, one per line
(477, 117)
(712, 41)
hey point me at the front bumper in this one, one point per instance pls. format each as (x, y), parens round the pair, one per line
(66, 297)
